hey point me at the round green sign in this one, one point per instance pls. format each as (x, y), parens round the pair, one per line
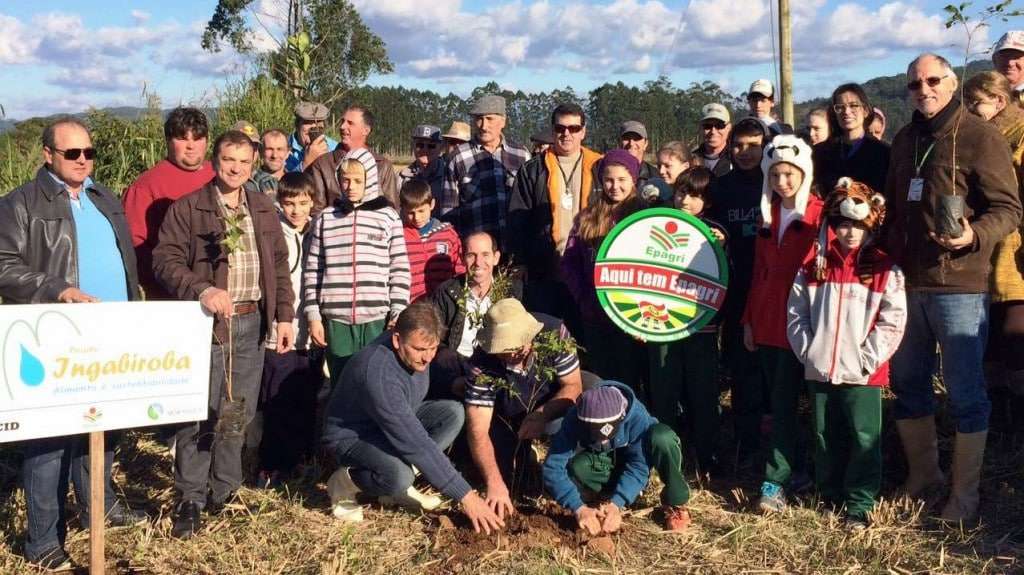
(661, 275)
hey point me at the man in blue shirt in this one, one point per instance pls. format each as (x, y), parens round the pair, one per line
(64, 238)
(308, 142)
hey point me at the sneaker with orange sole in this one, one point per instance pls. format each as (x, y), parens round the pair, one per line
(677, 517)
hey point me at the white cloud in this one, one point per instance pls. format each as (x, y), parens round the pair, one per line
(98, 77)
(893, 26)
(139, 16)
(442, 39)
(17, 43)
(713, 19)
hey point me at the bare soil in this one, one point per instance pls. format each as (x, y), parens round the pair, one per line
(459, 547)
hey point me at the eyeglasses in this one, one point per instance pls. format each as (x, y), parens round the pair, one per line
(840, 108)
(562, 128)
(932, 82)
(74, 153)
(427, 145)
(714, 125)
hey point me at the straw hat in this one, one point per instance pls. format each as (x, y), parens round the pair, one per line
(507, 327)
(458, 131)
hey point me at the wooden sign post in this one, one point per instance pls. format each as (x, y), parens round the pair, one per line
(68, 370)
(97, 509)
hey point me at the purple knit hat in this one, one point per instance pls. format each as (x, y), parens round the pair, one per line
(601, 404)
(621, 158)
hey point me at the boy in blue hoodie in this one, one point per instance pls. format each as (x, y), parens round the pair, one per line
(620, 444)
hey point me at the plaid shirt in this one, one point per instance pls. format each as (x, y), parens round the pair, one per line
(478, 184)
(243, 264)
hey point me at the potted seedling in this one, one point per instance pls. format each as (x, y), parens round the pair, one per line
(231, 416)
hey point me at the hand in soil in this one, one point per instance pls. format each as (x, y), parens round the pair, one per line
(589, 520)
(611, 517)
(482, 517)
(499, 501)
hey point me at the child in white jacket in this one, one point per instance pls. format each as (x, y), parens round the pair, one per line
(847, 314)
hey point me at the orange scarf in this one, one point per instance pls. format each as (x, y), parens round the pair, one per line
(556, 184)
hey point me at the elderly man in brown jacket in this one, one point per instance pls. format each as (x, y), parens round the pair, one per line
(945, 256)
(356, 124)
(222, 245)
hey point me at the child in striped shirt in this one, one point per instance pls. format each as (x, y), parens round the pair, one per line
(356, 277)
(435, 252)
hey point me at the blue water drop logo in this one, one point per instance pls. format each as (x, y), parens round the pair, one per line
(32, 372)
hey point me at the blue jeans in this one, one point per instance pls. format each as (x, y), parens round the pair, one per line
(208, 460)
(47, 466)
(959, 324)
(378, 470)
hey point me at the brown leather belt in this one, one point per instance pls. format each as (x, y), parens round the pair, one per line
(244, 307)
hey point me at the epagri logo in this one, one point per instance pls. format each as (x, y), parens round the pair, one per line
(660, 275)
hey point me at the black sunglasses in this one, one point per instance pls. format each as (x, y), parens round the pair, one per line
(932, 81)
(74, 153)
(429, 146)
(573, 129)
(715, 124)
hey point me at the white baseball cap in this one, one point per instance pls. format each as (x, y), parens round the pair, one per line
(763, 87)
(1012, 40)
(715, 111)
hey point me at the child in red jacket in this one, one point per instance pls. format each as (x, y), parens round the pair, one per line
(847, 315)
(790, 215)
(435, 251)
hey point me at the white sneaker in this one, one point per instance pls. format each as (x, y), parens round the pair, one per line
(347, 511)
(342, 491)
(413, 499)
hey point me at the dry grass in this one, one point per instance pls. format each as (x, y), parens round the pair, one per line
(289, 532)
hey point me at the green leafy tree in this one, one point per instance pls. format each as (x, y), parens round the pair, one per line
(325, 51)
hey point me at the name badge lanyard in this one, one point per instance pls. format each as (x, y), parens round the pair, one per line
(567, 192)
(918, 164)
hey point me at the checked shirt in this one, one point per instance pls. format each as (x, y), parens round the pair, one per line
(478, 184)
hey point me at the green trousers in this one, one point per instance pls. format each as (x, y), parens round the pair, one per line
(687, 371)
(599, 471)
(847, 445)
(785, 376)
(344, 340)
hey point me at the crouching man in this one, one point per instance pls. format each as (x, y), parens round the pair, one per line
(382, 432)
(525, 376)
(619, 444)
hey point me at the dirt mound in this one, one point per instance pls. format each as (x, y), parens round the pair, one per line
(459, 547)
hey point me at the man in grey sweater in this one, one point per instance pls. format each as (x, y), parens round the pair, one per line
(381, 431)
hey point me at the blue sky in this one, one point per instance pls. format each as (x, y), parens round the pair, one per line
(64, 56)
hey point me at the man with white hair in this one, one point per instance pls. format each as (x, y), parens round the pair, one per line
(943, 226)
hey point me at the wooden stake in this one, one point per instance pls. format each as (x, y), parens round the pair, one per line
(97, 510)
(786, 63)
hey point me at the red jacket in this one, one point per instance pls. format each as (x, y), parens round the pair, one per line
(434, 257)
(775, 267)
(145, 204)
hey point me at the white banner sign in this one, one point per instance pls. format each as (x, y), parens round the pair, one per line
(76, 368)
